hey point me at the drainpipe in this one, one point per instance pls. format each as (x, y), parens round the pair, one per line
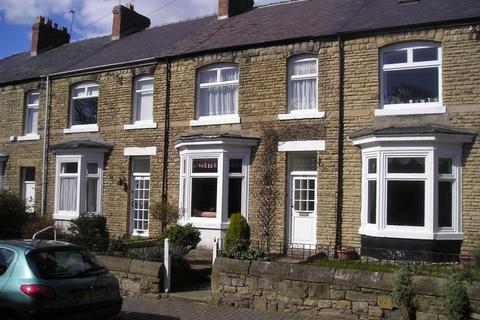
(45, 146)
(341, 105)
(166, 133)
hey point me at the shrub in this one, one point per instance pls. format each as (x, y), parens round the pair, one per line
(238, 234)
(403, 292)
(12, 216)
(476, 257)
(90, 230)
(36, 224)
(166, 213)
(457, 305)
(183, 238)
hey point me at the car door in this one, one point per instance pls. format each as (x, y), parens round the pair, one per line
(7, 262)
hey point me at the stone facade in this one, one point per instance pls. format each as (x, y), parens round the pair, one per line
(262, 96)
(326, 292)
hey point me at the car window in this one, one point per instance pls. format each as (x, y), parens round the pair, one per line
(62, 263)
(6, 257)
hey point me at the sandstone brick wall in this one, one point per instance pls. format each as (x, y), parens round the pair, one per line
(461, 96)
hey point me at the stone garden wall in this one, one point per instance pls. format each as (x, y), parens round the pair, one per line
(328, 292)
(136, 277)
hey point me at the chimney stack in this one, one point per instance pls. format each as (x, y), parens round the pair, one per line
(46, 37)
(126, 21)
(229, 8)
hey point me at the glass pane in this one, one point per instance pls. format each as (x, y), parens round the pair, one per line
(32, 98)
(29, 174)
(372, 165)
(92, 168)
(406, 203)
(92, 91)
(300, 68)
(445, 166)
(141, 165)
(218, 100)
(395, 57)
(425, 54)
(302, 161)
(145, 84)
(67, 194)
(204, 165)
(208, 76)
(79, 92)
(91, 195)
(84, 111)
(311, 206)
(372, 201)
(411, 86)
(302, 94)
(406, 165)
(445, 202)
(229, 74)
(235, 165)
(144, 108)
(204, 197)
(31, 125)
(234, 196)
(69, 167)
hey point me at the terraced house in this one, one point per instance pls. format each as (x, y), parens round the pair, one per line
(361, 116)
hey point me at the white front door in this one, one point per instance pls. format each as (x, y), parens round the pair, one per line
(140, 197)
(303, 209)
(29, 195)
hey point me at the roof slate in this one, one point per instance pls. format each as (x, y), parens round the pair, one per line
(301, 19)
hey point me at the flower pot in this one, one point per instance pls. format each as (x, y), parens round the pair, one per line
(346, 254)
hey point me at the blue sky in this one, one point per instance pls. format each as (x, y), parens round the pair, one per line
(92, 17)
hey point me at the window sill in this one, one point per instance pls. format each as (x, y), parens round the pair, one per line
(301, 115)
(140, 125)
(65, 216)
(82, 128)
(215, 120)
(204, 223)
(143, 234)
(410, 233)
(417, 109)
(28, 137)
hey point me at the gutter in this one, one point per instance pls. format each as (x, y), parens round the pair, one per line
(341, 130)
(45, 147)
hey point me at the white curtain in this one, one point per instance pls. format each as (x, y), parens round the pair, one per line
(218, 100)
(144, 106)
(68, 194)
(303, 91)
(32, 120)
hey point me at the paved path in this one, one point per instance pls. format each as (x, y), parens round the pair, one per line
(164, 309)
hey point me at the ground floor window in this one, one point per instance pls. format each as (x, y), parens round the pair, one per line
(411, 189)
(78, 185)
(214, 181)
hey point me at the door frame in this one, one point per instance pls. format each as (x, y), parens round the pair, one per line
(133, 175)
(290, 194)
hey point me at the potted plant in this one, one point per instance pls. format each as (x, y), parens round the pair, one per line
(346, 253)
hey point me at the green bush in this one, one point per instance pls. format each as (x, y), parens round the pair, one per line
(476, 257)
(237, 237)
(12, 216)
(182, 238)
(90, 230)
(403, 293)
(457, 304)
(36, 224)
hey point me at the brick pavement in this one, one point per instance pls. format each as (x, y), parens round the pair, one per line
(164, 309)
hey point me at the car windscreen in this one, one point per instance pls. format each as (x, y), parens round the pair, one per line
(63, 263)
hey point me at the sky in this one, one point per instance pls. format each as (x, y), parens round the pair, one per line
(92, 18)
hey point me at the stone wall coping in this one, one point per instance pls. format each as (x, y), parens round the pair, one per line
(129, 265)
(116, 263)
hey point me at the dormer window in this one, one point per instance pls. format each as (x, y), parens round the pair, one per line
(217, 95)
(83, 108)
(410, 79)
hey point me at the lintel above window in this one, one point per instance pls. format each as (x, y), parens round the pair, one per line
(411, 79)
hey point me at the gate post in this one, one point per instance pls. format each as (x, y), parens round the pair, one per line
(167, 264)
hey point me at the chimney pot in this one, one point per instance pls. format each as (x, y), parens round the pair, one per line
(127, 21)
(46, 37)
(229, 8)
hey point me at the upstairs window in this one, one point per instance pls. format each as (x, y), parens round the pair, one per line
(302, 84)
(411, 78)
(84, 104)
(31, 113)
(143, 99)
(217, 90)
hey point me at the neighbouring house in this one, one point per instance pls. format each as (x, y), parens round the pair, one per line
(349, 122)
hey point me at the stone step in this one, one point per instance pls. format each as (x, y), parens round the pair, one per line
(203, 255)
(199, 296)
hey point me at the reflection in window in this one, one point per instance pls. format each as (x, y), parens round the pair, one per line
(84, 104)
(204, 197)
(406, 203)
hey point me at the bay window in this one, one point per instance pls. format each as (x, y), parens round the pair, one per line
(83, 108)
(411, 79)
(217, 94)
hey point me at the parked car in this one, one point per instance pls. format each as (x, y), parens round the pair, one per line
(41, 279)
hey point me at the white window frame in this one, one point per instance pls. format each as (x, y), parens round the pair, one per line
(312, 113)
(410, 108)
(222, 154)
(141, 123)
(33, 135)
(78, 128)
(81, 175)
(216, 119)
(431, 152)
